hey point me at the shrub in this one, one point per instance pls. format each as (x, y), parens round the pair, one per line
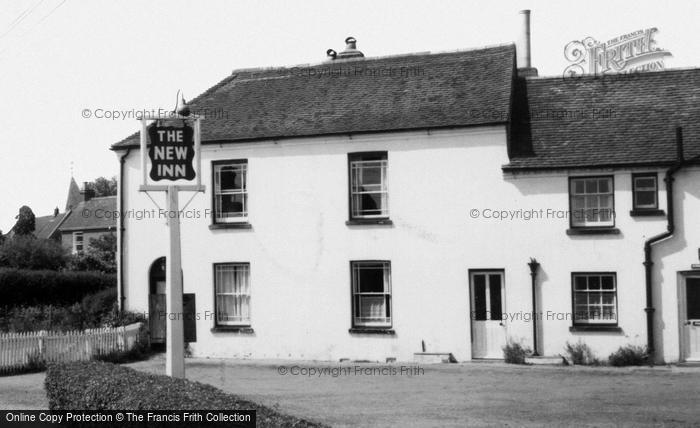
(97, 306)
(630, 355)
(581, 354)
(27, 252)
(99, 256)
(35, 287)
(98, 310)
(106, 386)
(515, 353)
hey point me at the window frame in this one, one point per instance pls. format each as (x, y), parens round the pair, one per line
(233, 325)
(74, 235)
(653, 175)
(371, 326)
(572, 225)
(233, 221)
(366, 156)
(588, 323)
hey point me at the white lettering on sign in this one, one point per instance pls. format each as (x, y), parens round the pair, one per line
(169, 153)
(172, 170)
(171, 136)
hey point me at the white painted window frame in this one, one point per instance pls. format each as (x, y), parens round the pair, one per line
(582, 220)
(235, 217)
(240, 291)
(381, 322)
(356, 185)
(589, 320)
(638, 188)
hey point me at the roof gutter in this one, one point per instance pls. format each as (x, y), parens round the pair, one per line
(120, 249)
(670, 229)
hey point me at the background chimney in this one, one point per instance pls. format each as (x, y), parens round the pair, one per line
(349, 52)
(523, 46)
(87, 192)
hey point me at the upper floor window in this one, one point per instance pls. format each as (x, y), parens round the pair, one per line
(595, 298)
(77, 242)
(232, 294)
(371, 293)
(369, 197)
(230, 191)
(644, 192)
(592, 201)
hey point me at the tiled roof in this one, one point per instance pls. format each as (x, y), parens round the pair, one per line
(45, 226)
(97, 213)
(621, 120)
(414, 91)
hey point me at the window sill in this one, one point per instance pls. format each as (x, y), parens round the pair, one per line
(593, 231)
(232, 329)
(369, 221)
(647, 213)
(217, 226)
(596, 328)
(366, 330)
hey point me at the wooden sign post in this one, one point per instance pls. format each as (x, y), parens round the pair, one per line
(172, 152)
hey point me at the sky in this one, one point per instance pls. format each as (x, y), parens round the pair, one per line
(61, 57)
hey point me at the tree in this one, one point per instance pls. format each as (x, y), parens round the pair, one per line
(2, 238)
(26, 222)
(104, 186)
(100, 255)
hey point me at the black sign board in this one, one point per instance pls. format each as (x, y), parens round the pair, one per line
(171, 152)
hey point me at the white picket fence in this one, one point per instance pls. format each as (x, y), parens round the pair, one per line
(19, 351)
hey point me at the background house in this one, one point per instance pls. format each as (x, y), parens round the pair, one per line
(85, 217)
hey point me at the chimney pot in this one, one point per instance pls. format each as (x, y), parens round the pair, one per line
(55, 211)
(350, 43)
(350, 50)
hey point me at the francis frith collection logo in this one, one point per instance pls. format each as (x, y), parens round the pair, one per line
(634, 52)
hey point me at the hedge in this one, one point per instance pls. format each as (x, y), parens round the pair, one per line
(35, 287)
(105, 386)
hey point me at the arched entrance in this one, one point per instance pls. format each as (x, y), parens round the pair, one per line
(156, 300)
(157, 306)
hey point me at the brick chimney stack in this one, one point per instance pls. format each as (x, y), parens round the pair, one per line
(87, 193)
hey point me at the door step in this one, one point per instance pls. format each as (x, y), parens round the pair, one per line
(544, 360)
(433, 357)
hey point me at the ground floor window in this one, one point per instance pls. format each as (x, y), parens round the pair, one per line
(594, 298)
(232, 293)
(371, 293)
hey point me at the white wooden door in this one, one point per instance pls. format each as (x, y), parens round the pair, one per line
(487, 290)
(691, 324)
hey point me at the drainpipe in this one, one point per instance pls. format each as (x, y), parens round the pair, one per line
(122, 299)
(534, 265)
(671, 227)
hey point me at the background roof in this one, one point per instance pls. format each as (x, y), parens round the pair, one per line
(611, 120)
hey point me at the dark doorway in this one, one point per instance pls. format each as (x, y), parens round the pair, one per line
(157, 306)
(156, 301)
